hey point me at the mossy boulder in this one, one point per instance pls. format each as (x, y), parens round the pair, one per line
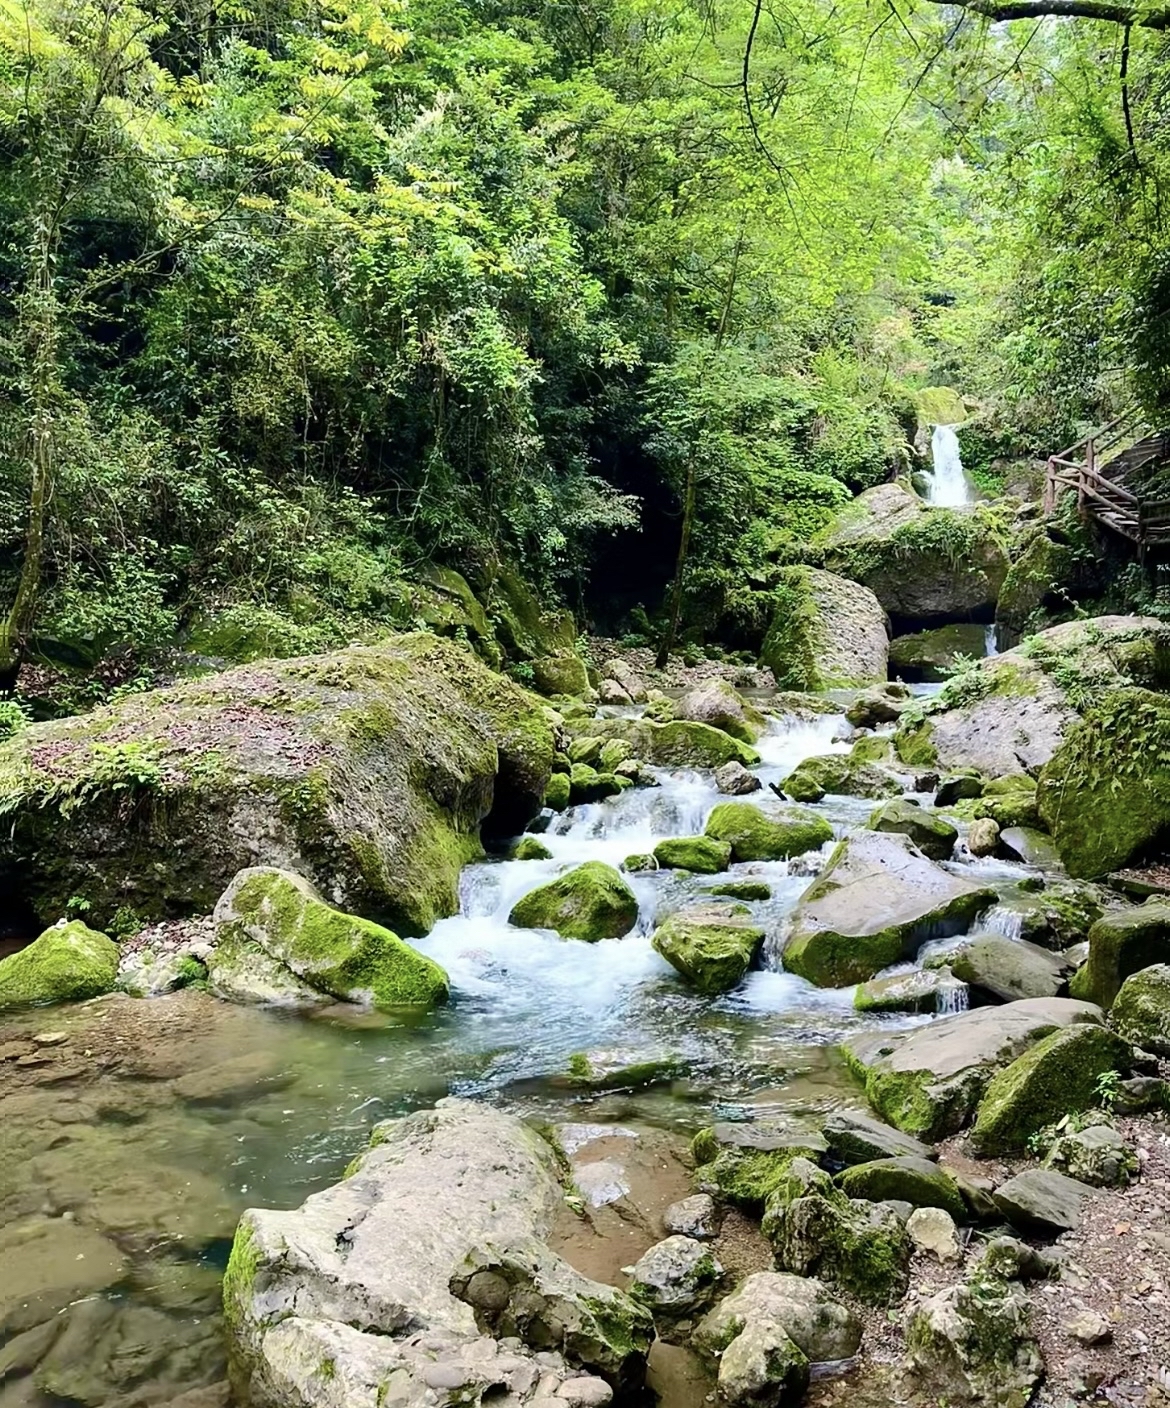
(586, 784)
(742, 890)
(558, 791)
(530, 848)
(590, 902)
(523, 627)
(770, 831)
(826, 632)
(1004, 970)
(675, 744)
(841, 775)
(907, 1178)
(932, 834)
(67, 963)
(874, 904)
(919, 562)
(711, 945)
(1057, 1077)
(560, 674)
(747, 1163)
(719, 704)
(700, 854)
(1058, 915)
(1105, 794)
(273, 924)
(369, 770)
(971, 1343)
(932, 655)
(443, 601)
(922, 990)
(1120, 944)
(1033, 584)
(1141, 1010)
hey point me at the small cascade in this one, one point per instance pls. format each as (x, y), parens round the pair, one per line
(952, 998)
(999, 919)
(948, 487)
(990, 642)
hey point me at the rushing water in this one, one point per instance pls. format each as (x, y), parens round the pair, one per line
(149, 1125)
(948, 487)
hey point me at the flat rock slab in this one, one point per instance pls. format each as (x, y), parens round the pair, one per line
(854, 1138)
(1007, 970)
(767, 1136)
(1042, 1200)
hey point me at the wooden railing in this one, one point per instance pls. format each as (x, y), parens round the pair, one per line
(1096, 469)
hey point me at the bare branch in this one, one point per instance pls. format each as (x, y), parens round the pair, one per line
(1112, 11)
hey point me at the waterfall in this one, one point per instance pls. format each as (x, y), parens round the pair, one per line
(948, 486)
(990, 642)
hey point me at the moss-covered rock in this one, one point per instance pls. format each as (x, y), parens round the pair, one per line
(907, 1178)
(922, 990)
(1120, 944)
(971, 1343)
(767, 832)
(530, 848)
(558, 790)
(369, 770)
(1141, 1010)
(1057, 1077)
(932, 834)
(444, 602)
(270, 923)
(586, 784)
(747, 1163)
(874, 904)
(711, 945)
(841, 775)
(560, 674)
(675, 744)
(1058, 915)
(932, 655)
(742, 890)
(67, 963)
(1004, 970)
(1033, 583)
(826, 633)
(522, 626)
(1105, 794)
(590, 902)
(700, 854)
(719, 704)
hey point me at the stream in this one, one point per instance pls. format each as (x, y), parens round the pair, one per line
(136, 1131)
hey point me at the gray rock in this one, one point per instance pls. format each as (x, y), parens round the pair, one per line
(720, 705)
(933, 1230)
(626, 676)
(1098, 1156)
(934, 835)
(1141, 1009)
(734, 780)
(1009, 1259)
(919, 990)
(1089, 1328)
(1031, 846)
(970, 1343)
(827, 633)
(610, 692)
(908, 1179)
(1040, 1200)
(601, 1182)
(854, 1138)
(675, 1280)
(696, 1216)
(983, 836)
(1006, 970)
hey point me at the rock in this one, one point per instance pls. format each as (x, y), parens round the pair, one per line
(610, 692)
(1140, 1095)
(880, 705)
(929, 1081)
(719, 704)
(556, 793)
(585, 750)
(1089, 1328)
(675, 1280)
(1033, 582)
(369, 771)
(932, 1230)
(932, 834)
(920, 990)
(753, 1332)
(1009, 1259)
(696, 1216)
(1097, 1156)
(413, 1268)
(590, 902)
(1121, 944)
(625, 676)
(144, 973)
(970, 1343)
(1004, 970)
(874, 904)
(1011, 713)
(1141, 1010)
(1042, 1201)
(529, 848)
(755, 890)
(700, 854)
(711, 945)
(816, 1230)
(826, 633)
(907, 1178)
(586, 784)
(959, 787)
(1027, 844)
(839, 774)
(601, 1069)
(1055, 916)
(932, 655)
(275, 924)
(1056, 1077)
(747, 1162)
(734, 780)
(49, 1263)
(854, 1138)
(233, 1081)
(769, 832)
(638, 864)
(67, 963)
(983, 836)
(677, 744)
(561, 674)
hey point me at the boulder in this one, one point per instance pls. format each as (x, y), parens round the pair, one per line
(932, 655)
(586, 784)
(610, 692)
(696, 1216)
(970, 1343)
(1042, 1201)
(906, 1178)
(711, 945)
(754, 890)
(676, 744)
(854, 1138)
(932, 834)
(67, 963)
(715, 702)
(983, 836)
(920, 990)
(919, 562)
(1098, 1156)
(530, 848)
(874, 904)
(589, 902)
(1120, 944)
(1033, 583)
(277, 940)
(881, 704)
(745, 1163)
(563, 674)
(826, 633)
(1027, 844)
(1056, 1077)
(768, 1331)
(675, 1280)
(1141, 1010)
(839, 774)
(626, 677)
(700, 854)
(557, 791)
(734, 780)
(1004, 970)
(523, 627)
(414, 1268)
(933, 1230)
(368, 771)
(929, 1081)
(771, 831)
(1056, 915)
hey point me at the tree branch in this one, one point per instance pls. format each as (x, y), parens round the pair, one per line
(1112, 11)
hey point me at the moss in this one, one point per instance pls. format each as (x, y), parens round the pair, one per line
(1141, 1012)
(529, 848)
(742, 890)
(636, 864)
(698, 854)
(873, 748)
(1120, 944)
(586, 784)
(841, 775)
(712, 948)
(682, 744)
(67, 963)
(749, 1177)
(776, 834)
(591, 902)
(561, 675)
(239, 1279)
(911, 1180)
(913, 742)
(556, 794)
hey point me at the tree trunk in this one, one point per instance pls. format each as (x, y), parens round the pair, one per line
(676, 591)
